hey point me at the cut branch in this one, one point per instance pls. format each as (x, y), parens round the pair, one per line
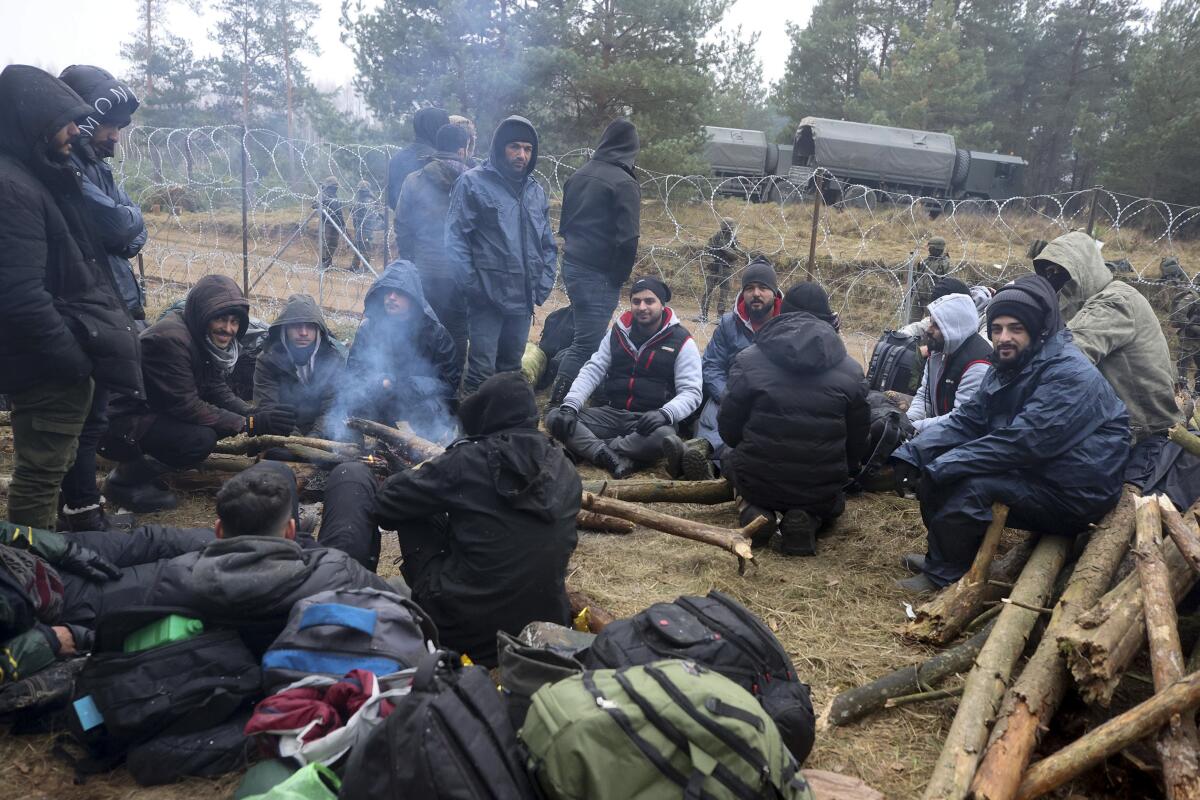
(736, 541)
(700, 492)
(253, 445)
(1185, 439)
(591, 521)
(1032, 701)
(986, 683)
(1185, 538)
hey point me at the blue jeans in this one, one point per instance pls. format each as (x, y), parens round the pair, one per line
(593, 299)
(497, 342)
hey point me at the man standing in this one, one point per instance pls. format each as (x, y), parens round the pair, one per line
(1185, 318)
(959, 358)
(648, 369)
(426, 123)
(1045, 434)
(600, 226)
(366, 222)
(933, 268)
(795, 420)
(189, 405)
(719, 256)
(421, 232)
(1118, 331)
(61, 320)
(498, 237)
(758, 302)
(332, 222)
(118, 223)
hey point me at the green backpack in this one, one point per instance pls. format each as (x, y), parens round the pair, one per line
(665, 729)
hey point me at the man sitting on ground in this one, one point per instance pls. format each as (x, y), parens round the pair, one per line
(958, 360)
(403, 364)
(301, 366)
(757, 303)
(487, 528)
(795, 422)
(648, 368)
(1045, 434)
(1118, 331)
(189, 405)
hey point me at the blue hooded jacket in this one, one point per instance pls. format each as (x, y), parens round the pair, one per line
(498, 234)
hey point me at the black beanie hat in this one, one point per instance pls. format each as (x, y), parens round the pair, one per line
(807, 296)
(649, 282)
(1031, 299)
(760, 271)
(503, 401)
(949, 285)
(112, 101)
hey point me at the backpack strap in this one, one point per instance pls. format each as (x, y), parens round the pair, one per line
(423, 680)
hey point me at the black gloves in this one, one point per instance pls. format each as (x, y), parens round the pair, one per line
(562, 421)
(651, 421)
(86, 563)
(268, 420)
(906, 477)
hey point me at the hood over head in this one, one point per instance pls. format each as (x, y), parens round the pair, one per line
(618, 145)
(112, 101)
(501, 402)
(400, 276)
(36, 105)
(212, 296)
(254, 573)
(956, 318)
(426, 123)
(300, 308)
(801, 342)
(1031, 299)
(513, 129)
(1079, 254)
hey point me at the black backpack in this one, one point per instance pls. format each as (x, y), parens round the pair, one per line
(206, 753)
(719, 633)
(125, 699)
(890, 428)
(449, 738)
(893, 364)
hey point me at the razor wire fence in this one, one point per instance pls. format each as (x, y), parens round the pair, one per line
(861, 244)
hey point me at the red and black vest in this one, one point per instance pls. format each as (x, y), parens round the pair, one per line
(974, 350)
(643, 378)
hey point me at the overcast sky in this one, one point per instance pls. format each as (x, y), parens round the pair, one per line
(74, 32)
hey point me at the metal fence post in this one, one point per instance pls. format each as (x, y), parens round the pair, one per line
(818, 201)
(1092, 212)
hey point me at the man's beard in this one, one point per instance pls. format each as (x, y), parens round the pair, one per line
(760, 313)
(55, 154)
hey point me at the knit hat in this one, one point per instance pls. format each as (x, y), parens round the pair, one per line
(503, 401)
(653, 284)
(451, 138)
(112, 101)
(949, 285)
(1032, 300)
(807, 296)
(760, 271)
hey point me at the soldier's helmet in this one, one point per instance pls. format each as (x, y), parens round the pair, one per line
(330, 182)
(727, 223)
(364, 186)
(937, 246)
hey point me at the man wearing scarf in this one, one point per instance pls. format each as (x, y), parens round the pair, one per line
(301, 366)
(1045, 434)
(187, 357)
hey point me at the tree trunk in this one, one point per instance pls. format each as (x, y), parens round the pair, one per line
(944, 617)
(149, 47)
(1110, 738)
(986, 683)
(1178, 747)
(854, 704)
(1034, 698)
(1186, 538)
(661, 491)
(409, 445)
(591, 521)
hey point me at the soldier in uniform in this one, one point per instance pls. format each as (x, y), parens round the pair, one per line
(328, 231)
(366, 221)
(1185, 318)
(1171, 271)
(720, 254)
(934, 267)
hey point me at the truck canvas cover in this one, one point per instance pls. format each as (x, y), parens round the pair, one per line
(881, 153)
(736, 150)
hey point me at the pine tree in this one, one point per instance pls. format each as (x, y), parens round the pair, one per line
(244, 75)
(825, 63)
(294, 20)
(740, 97)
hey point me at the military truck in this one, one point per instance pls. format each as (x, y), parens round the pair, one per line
(745, 164)
(848, 156)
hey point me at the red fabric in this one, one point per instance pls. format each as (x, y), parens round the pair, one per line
(293, 709)
(744, 315)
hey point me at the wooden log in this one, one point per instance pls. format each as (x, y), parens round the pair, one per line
(945, 616)
(1185, 538)
(5, 483)
(1178, 746)
(253, 445)
(1101, 642)
(854, 704)
(736, 541)
(215, 470)
(1034, 698)
(834, 786)
(1112, 737)
(923, 697)
(663, 491)
(407, 443)
(591, 521)
(5, 419)
(598, 617)
(1184, 438)
(985, 684)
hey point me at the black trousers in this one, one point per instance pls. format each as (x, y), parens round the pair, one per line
(346, 522)
(178, 444)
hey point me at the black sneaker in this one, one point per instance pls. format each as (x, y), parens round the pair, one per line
(673, 450)
(618, 466)
(697, 461)
(747, 513)
(918, 584)
(136, 488)
(797, 534)
(914, 562)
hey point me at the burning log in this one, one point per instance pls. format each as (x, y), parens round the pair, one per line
(736, 541)
(1102, 641)
(591, 521)
(253, 445)
(986, 683)
(661, 491)
(1178, 746)
(1112, 737)
(402, 438)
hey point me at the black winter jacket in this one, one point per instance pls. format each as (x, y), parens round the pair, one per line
(602, 207)
(421, 217)
(60, 317)
(276, 376)
(795, 415)
(410, 159)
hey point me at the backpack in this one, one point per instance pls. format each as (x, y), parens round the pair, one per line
(719, 633)
(449, 738)
(890, 428)
(125, 699)
(336, 631)
(666, 729)
(525, 668)
(207, 753)
(893, 365)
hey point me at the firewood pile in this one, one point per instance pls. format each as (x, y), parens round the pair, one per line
(1082, 627)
